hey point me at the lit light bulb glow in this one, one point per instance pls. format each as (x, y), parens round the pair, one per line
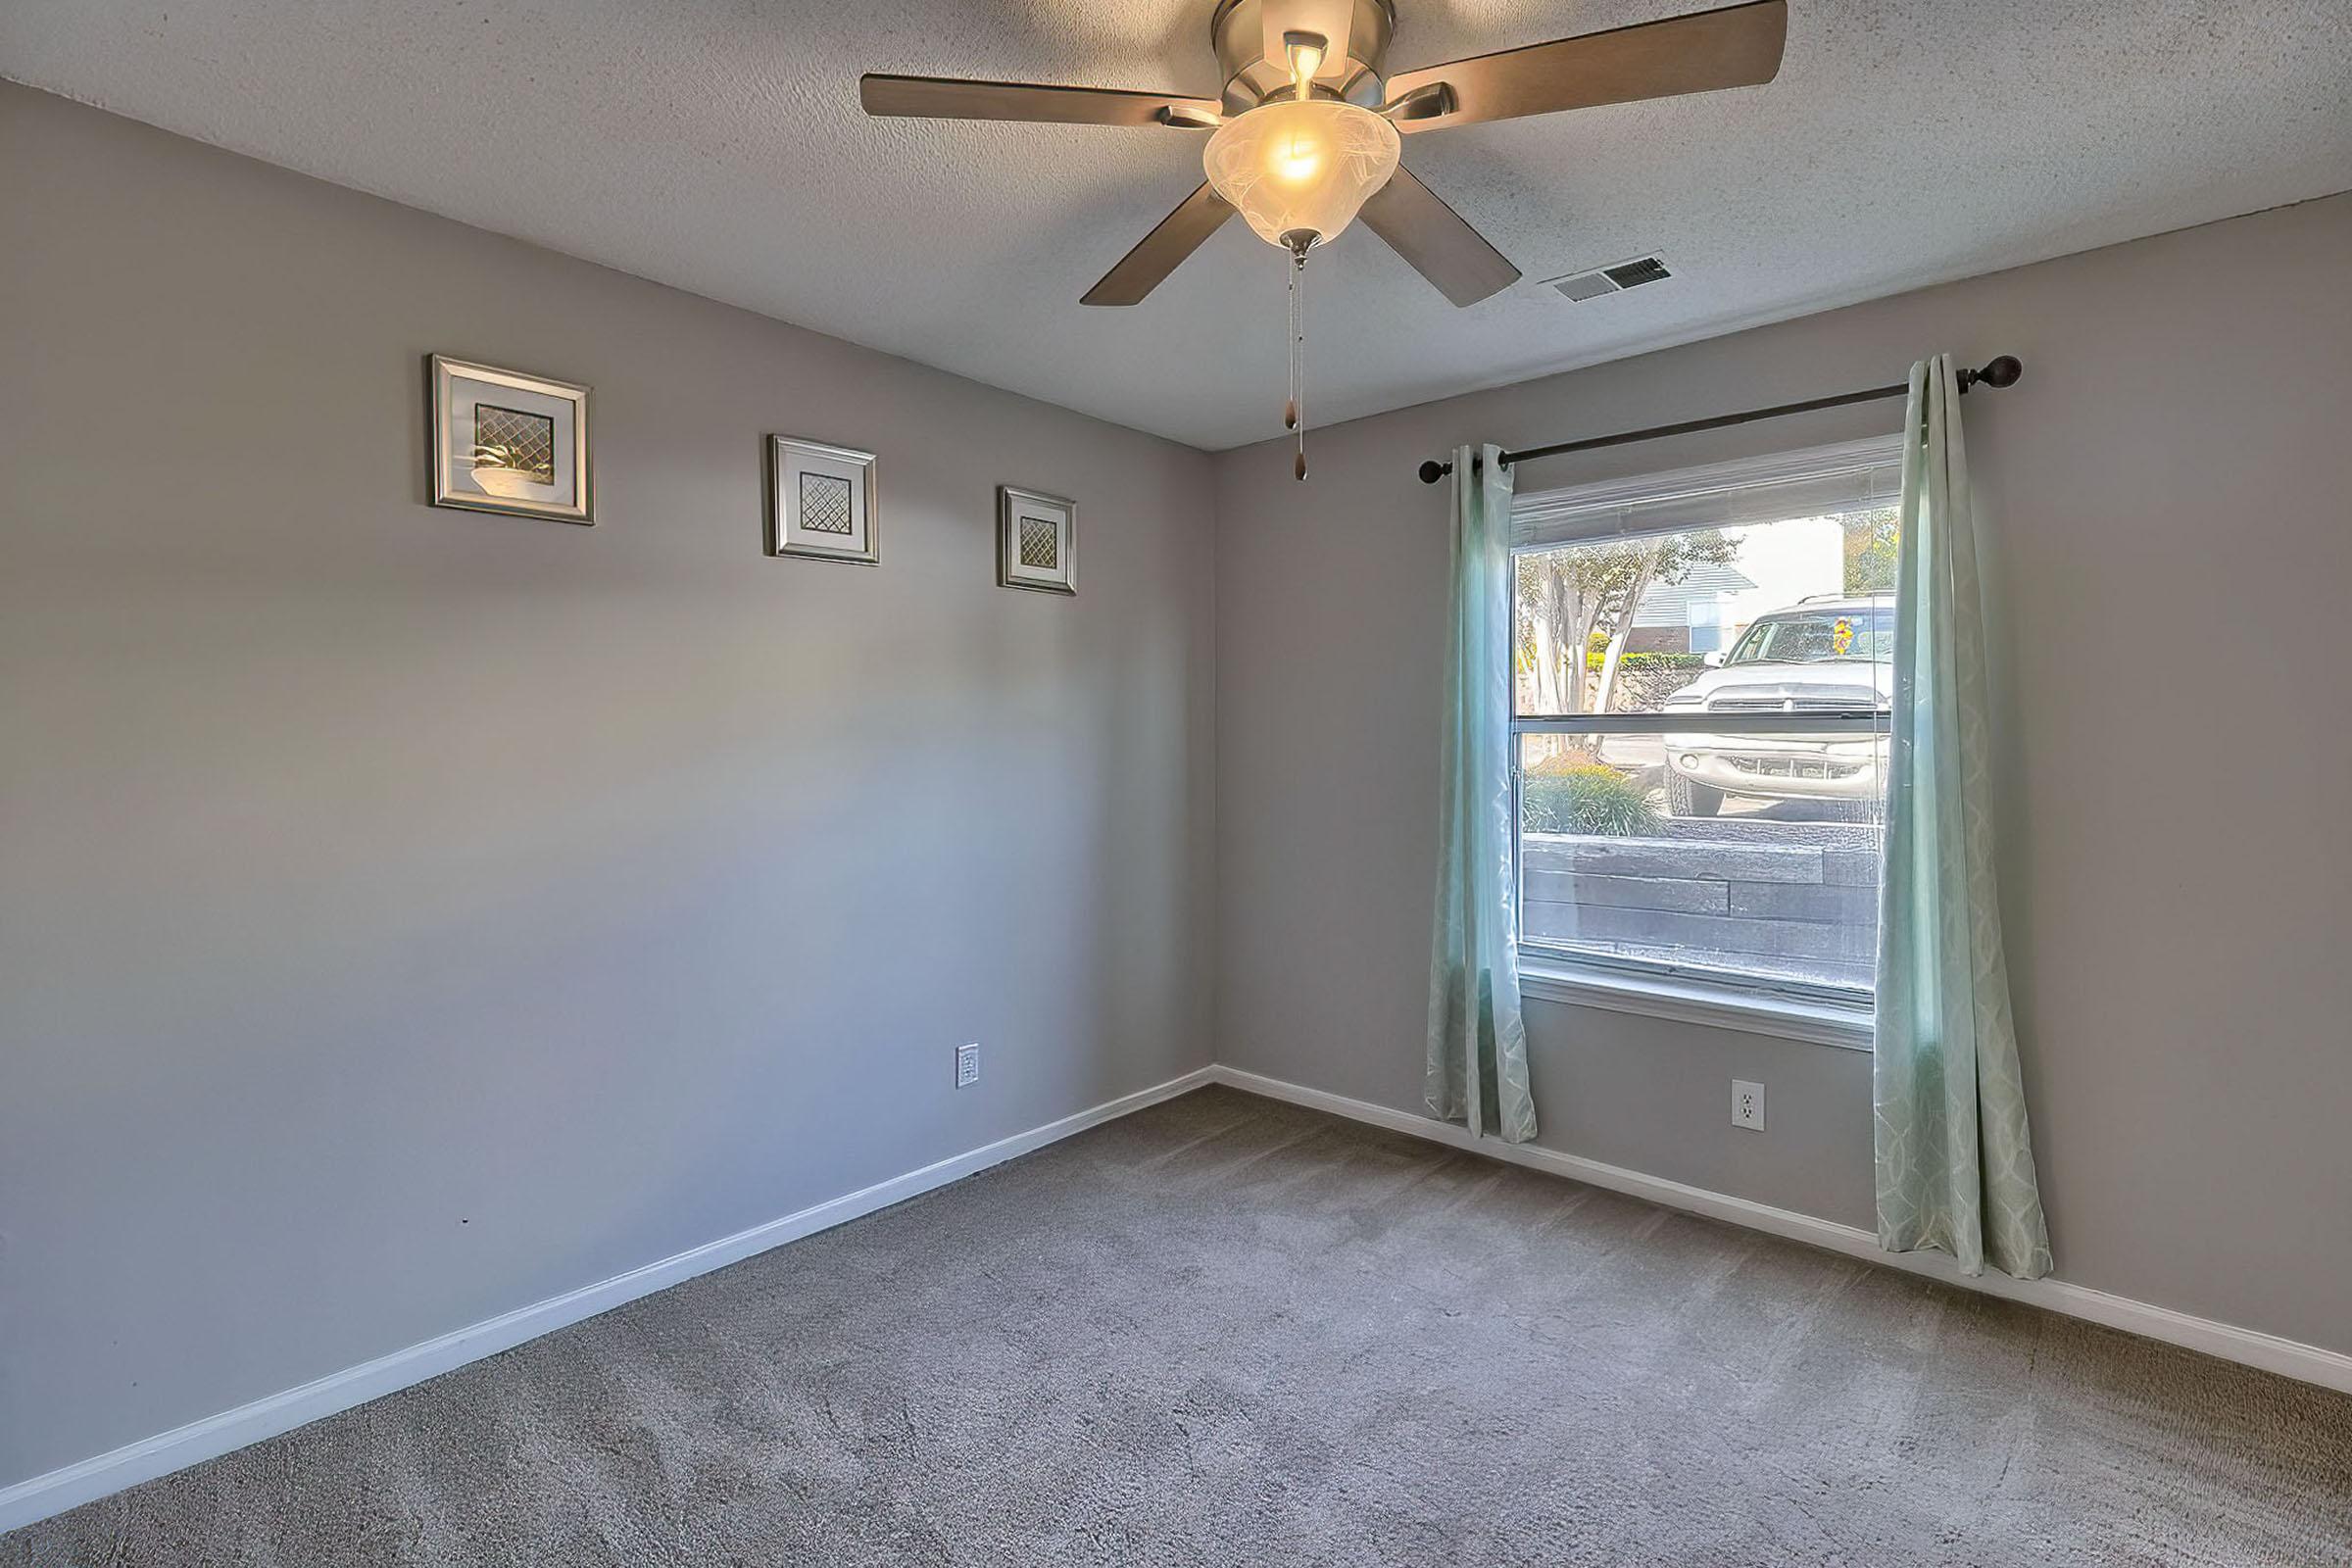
(1301, 167)
(1297, 160)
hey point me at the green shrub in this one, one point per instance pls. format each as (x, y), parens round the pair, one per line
(1585, 797)
(1598, 656)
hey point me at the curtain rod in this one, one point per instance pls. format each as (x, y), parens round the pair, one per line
(1997, 372)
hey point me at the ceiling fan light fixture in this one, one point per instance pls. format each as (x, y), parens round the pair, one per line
(1302, 155)
(1298, 167)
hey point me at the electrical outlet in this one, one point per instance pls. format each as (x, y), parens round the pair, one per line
(1747, 1106)
(967, 1065)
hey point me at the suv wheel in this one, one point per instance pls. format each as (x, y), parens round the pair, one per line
(1686, 799)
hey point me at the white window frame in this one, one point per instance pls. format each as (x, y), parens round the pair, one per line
(1769, 488)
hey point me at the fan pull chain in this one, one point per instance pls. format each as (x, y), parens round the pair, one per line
(1293, 415)
(1290, 407)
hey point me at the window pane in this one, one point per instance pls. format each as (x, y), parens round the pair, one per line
(1752, 856)
(1788, 617)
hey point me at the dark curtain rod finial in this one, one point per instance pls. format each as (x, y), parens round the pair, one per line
(1999, 371)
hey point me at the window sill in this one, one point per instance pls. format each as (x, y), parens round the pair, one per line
(1694, 1001)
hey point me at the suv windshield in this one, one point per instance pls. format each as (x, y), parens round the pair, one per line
(1865, 636)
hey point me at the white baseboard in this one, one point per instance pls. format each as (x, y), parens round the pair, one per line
(2308, 1362)
(75, 1484)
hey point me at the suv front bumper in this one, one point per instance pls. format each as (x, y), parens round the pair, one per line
(1770, 767)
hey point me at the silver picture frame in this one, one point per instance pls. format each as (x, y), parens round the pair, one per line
(1037, 541)
(821, 502)
(509, 443)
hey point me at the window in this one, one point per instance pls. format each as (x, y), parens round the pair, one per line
(1704, 668)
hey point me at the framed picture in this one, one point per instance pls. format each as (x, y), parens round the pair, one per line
(507, 442)
(1037, 541)
(821, 502)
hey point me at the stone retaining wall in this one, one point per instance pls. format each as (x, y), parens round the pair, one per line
(1805, 910)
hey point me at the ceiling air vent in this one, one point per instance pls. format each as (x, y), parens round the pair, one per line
(1615, 279)
(1632, 274)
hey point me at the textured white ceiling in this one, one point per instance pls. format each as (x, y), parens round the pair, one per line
(718, 145)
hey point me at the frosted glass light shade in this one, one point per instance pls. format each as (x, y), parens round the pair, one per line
(1292, 166)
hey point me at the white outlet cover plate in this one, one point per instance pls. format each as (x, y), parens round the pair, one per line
(967, 1064)
(1747, 1106)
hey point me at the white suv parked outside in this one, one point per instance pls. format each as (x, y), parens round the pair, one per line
(1828, 654)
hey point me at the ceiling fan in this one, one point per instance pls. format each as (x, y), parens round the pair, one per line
(1309, 130)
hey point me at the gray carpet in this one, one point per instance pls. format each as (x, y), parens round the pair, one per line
(1226, 1331)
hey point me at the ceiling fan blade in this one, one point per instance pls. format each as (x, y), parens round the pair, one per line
(1179, 234)
(1437, 240)
(1737, 46)
(951, 98)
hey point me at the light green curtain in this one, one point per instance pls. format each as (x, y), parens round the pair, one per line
(1476, 1046)
(1955, 1164)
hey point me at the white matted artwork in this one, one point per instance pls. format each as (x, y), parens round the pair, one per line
(507, 442)
(1037, 541)
(821, 502)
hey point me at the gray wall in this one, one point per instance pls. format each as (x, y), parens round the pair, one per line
(2168, 503)
(408, 915)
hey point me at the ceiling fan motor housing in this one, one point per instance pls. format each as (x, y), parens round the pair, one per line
(1248, 36)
